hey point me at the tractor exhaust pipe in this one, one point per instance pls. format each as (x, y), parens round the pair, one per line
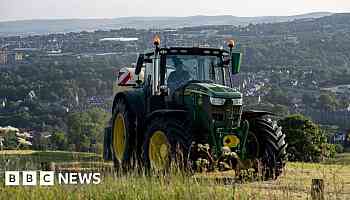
(155, 89)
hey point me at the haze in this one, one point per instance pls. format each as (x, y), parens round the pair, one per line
(61, 9)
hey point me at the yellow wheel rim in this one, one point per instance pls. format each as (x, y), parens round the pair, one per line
(119, 137)
(159, 151)
(231, 141)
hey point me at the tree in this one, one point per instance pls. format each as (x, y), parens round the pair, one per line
(278, 96)
(281, 110)
(85, 129)
(40, 142)
(77, 128)
(344, 103)
(99, 119)
(10, 141)
(58, 140)
(306, 140)
(328, 101)
(85, 143)
(308, 98)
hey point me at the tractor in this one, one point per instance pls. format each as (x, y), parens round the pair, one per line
(185, 110)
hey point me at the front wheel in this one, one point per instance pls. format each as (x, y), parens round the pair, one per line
(266, 143)
(166, 144)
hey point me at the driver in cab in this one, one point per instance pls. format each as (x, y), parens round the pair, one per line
(179, 77)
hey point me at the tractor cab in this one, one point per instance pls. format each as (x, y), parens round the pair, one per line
(168, 69)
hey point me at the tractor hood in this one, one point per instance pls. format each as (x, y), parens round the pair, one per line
(214, 90)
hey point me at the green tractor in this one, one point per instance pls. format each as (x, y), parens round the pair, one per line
(187, 112)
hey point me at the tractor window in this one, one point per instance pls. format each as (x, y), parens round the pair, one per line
(183, 68)
(226, 74)
(148, 73)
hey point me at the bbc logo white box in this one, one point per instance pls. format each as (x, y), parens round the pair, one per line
(29, 178)
(11, 178)
(47, 178)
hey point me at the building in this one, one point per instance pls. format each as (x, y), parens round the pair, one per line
(19, 56)
(12, 56)
(339, 138)
(3, 56)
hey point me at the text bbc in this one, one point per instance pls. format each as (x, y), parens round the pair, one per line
(47, 178)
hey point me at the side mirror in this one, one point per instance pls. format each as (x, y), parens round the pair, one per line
(139, 64)
(235, 62)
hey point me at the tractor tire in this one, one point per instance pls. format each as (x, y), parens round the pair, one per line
(167, 145)
(123, 135)
(270, 147)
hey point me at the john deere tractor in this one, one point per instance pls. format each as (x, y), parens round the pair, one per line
(186, 111)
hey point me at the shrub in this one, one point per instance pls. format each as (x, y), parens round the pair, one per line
(328, 150)
(306, 140)
(339, 148)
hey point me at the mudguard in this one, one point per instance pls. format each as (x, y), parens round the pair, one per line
(134, 98)
(180, 114)
(249, 114)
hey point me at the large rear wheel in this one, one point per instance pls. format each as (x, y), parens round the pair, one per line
(266, 143)
(123, 135)
(166, 144)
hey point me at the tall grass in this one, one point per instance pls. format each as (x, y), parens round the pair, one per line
(293, 184)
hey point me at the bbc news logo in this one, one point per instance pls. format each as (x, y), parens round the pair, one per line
(47, 178)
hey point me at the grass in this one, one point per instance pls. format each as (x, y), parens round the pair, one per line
(343, 158)
(293, 184)
(34, 160)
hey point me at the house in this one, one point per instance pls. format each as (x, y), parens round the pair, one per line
(3, 55)
(339, 138)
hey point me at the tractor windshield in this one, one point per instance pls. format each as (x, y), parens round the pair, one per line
(184, 68)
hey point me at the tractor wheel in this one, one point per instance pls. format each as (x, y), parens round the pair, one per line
(266, 143)
(123, 133)
(166, 145)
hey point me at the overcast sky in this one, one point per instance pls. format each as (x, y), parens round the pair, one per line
(55, 9)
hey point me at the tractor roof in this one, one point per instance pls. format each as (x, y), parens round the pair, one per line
(189, 51)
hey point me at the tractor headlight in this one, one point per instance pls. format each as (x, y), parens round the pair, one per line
(237, 102)
(217, 101)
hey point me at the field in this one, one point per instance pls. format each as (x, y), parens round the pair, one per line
(293, 184)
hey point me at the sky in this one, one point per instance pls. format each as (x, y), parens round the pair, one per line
(58, 9)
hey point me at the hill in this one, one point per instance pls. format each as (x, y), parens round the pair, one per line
(27, 27)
